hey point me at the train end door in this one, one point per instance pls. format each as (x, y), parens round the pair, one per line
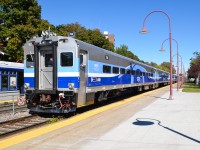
(83, 77)
(46, 70)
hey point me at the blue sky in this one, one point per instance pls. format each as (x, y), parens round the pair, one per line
(124, 19)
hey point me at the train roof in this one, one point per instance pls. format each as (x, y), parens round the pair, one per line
(71, 39)
(11, 65)
(118, 55)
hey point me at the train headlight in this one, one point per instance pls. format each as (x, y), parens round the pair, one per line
(71, 86)
(26, 85)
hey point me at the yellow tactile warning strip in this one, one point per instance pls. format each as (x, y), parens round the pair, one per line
(37, 132)
(7, 101)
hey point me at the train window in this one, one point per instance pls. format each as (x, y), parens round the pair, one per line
(12, 72)
(83, 59)
(4, 83)
(106, 69)
(143, 73)
(29, 60)
(5, 72)
(140, 73)
(115, 70)
(122, 71)
(48, 60)
(30, 57)
(133, 72)
(137, 72)
(151, 74)
(66, 59)
(128, 71)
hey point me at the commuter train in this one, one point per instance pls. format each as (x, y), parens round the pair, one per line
(62, 74)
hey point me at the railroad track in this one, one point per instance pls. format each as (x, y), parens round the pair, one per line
(9, 107)
(31, 121)
(12, 126)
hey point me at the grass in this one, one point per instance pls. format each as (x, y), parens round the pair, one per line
(191, 87)
(53, 120)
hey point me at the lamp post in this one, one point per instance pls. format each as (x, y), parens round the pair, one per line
(162, 49)
(181, 68)
(184, 77)
(181, 71)
(144, 30)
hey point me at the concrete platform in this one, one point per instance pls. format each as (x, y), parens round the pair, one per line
(9, 95)
(163, 125)
(148, 121)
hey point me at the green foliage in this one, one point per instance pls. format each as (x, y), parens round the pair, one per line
(194, 70)
(191, 87)
(94, 37)
(22, 20)
(153, 64)
(53, 120)
(166, 67)
(123, 50)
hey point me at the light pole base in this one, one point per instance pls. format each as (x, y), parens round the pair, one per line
(170, 97)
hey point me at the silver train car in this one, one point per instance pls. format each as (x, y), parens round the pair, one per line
(62, 74)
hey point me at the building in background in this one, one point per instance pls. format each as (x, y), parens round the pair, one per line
(110, 37)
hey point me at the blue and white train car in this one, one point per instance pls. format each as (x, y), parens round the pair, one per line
(10, 74)
(11, 79)
(62, 74)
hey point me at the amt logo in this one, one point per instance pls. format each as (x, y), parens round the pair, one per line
(138, 79)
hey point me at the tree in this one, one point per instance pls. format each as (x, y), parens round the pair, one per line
(153, 64)
(81, 32)
(166, 67)
(123, 50)
(94, 37)
(21, 20)
(194, 70)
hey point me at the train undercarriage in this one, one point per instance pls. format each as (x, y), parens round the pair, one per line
(63, 103)
(50, 103)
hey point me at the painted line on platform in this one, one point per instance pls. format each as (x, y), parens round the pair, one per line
(8, 101)
(52, 127)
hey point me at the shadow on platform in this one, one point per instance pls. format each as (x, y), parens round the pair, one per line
(149, 121)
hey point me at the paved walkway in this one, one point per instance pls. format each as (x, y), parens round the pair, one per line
(163, 125)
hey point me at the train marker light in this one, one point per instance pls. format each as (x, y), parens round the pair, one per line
(26, 85)
(71, 86)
